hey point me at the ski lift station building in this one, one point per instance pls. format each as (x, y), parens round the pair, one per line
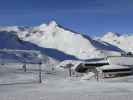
(112, 66)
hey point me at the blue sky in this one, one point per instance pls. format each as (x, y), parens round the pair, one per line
(92, 17)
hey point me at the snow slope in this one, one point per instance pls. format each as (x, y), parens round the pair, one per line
(10, 40)
(57, 41)
(15, 50)
(22, 56)
(125, 42)
(57, 37)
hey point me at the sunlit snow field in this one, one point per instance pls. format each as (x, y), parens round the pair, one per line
(15, 84)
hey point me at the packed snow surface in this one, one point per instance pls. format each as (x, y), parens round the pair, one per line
(88, 76)
(15, 84)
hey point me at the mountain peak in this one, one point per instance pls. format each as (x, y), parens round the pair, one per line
(52, 23)
(46, 27)
(111, 35)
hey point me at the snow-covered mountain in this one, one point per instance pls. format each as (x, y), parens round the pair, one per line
(13, 49)
(54, 37)
(125, 42)
(10, 40)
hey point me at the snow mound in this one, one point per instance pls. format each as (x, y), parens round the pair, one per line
(64, 63)
(88, 76)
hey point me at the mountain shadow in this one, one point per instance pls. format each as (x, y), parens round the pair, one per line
(9, 40)
(54, 53)
(103, 45)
